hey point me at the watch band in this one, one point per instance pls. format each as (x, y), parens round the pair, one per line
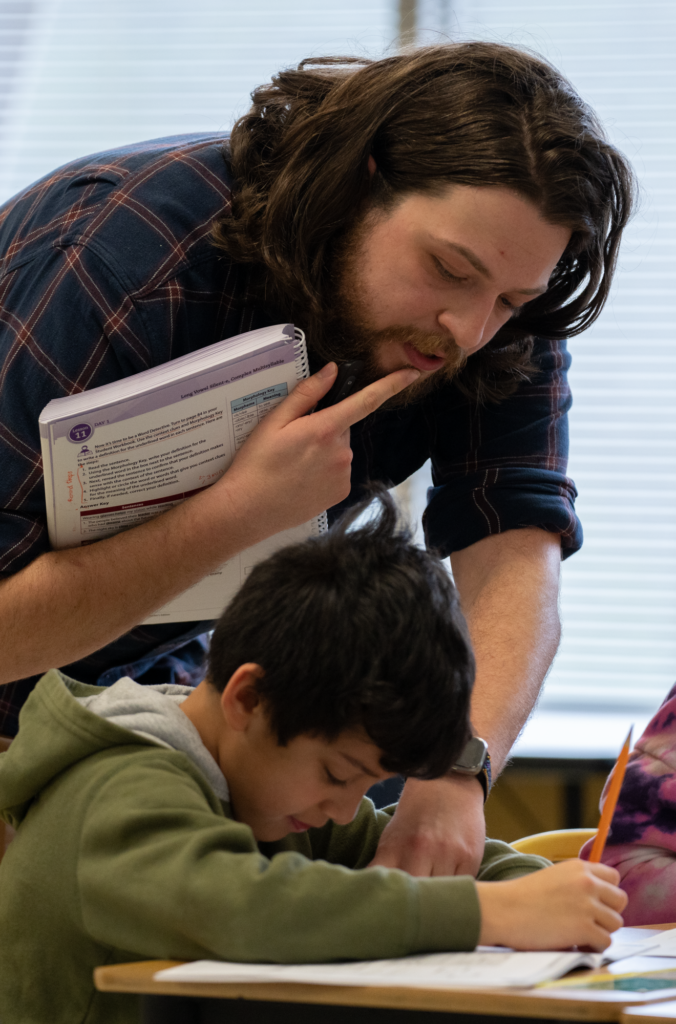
(485, 776)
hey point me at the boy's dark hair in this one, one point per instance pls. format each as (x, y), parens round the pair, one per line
(356, 628)
(475, 113)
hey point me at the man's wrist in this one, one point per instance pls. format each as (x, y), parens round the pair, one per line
(475, 760)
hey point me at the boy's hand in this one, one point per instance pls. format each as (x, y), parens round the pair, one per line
(574, 903)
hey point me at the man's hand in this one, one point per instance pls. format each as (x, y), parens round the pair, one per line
(437, 829)
(294, 466)
(570, 904)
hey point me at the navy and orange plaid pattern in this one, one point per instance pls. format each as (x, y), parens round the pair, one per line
(107, 268)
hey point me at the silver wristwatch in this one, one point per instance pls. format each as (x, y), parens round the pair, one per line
(475, 760)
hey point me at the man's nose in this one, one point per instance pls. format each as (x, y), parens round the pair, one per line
(471, 327)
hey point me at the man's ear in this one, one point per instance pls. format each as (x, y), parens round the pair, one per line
(240, 700)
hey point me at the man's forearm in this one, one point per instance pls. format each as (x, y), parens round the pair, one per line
(67, 604)
(509, 586)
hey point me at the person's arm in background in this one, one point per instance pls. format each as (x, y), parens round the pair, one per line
(642, 840)
(66, 604)
(499, 474)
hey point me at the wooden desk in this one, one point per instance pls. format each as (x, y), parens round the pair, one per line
(660, 1014)
(237, 1003)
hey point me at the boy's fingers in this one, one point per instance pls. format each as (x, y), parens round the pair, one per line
(608, 917)
(607, 888)
(304, 396)
(604, 871)
(361, 404)
(612, 897)
(598, 939)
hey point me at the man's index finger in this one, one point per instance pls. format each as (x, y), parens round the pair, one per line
(362, 403)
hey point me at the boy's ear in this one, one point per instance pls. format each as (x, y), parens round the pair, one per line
(240, 700)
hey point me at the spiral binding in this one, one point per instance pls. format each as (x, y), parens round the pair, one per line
(300, 349)
(321, 522)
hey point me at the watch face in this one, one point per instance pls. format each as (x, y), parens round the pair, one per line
(473, 756)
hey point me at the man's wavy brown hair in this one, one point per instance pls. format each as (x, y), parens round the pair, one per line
(478, 114)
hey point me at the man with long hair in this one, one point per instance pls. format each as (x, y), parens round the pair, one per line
(448, 216)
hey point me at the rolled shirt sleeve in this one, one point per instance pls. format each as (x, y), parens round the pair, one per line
(502, 466)
(495, 467)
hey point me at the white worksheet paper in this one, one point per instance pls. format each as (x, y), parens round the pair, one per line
(482, 968)
(663, 943)
(486, 967)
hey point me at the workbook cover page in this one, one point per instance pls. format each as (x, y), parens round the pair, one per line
(124, 462)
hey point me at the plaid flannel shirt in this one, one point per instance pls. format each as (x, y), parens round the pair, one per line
(107, 268)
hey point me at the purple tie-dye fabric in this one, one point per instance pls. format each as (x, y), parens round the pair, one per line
(642, 841)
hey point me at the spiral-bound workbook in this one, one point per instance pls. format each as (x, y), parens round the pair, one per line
(122, 453)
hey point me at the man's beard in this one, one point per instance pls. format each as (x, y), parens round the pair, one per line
(346, 332)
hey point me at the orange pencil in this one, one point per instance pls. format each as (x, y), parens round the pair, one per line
(614, 787)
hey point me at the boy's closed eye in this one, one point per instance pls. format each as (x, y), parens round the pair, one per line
(333, 780)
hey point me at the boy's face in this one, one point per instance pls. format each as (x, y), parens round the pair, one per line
(277, 790)
(273, 789)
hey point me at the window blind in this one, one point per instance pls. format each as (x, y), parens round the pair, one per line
(618, 654)
(77, 77)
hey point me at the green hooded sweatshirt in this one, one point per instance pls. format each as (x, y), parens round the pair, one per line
(125, 852)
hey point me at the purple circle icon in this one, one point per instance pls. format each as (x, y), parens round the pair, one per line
(80, 432)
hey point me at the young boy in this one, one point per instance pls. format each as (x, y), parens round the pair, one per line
(229, 821)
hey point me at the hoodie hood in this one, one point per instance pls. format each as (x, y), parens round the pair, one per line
(154, 712)
(64, 721)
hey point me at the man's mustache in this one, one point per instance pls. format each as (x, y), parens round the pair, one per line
(428, 344)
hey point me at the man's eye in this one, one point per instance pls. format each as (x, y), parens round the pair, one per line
(446, 274)
(333, 780)
(506, 304)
